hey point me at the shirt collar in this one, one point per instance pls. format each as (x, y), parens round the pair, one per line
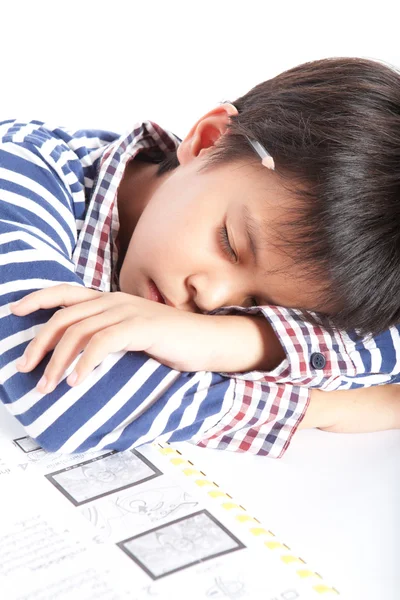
(96, 252)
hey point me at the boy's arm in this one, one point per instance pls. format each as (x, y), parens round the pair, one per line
(249, 344)
(359, 410)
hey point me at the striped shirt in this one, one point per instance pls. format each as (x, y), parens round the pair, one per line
(58, 224)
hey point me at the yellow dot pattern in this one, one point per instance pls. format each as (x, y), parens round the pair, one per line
(254, 527)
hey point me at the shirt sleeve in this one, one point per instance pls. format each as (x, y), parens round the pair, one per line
(129, 399)
(329, 360)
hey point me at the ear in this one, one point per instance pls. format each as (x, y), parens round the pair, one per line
(205, 133)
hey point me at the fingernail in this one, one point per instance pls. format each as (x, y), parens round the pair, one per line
(15, 303)
(42, 383)
(21, 362)
(72, 378)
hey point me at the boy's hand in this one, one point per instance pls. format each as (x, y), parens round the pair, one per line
(99, 323)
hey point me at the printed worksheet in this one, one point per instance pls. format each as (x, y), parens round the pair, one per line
(140, 524)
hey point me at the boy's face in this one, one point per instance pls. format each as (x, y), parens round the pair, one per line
(176, 239)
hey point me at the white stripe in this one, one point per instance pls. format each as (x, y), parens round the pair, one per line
(88, 182)
(25, 129)
(35, 208)
(28, 284)
(86, 142)
(356, 358)
(87, 161)
(29, 228)
(376, 357)
(28, 256)
(31, 255)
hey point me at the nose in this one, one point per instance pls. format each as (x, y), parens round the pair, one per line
(208, 295)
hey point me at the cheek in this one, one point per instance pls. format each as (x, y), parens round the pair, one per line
(154, 245)
(161, 234)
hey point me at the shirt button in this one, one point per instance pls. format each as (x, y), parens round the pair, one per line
(317, 360)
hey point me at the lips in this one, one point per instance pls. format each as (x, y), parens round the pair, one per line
(155, 293)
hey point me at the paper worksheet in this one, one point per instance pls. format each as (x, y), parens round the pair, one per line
(140, 524)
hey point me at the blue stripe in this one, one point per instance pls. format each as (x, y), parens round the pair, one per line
(43, 269)
(33, 171)
(386, 346)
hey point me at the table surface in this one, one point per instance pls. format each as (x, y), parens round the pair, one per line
(333, 499)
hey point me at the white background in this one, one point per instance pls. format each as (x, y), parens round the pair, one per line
(107, 65)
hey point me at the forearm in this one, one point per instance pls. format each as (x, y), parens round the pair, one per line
(248, 343)
(361, 410)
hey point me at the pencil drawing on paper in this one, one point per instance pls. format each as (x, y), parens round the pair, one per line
(137, 509)
(180, 544)
(103, 475)
(231, 589)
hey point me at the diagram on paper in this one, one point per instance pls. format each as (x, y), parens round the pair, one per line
(134, 510)
(103, 475)
(180, 544)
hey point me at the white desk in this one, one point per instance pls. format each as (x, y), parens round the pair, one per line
(333, 498)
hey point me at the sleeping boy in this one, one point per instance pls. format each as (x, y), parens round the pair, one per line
(212, 289)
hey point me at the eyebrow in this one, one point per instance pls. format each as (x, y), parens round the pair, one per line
(252, 229)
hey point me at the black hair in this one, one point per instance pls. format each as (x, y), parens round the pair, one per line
(332, 127)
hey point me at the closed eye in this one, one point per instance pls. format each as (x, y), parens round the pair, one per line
(228, 250)
(225, 244)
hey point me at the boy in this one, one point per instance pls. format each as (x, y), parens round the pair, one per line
(275, 200)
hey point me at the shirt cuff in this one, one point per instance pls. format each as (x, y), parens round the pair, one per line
(262, 420)
(313, 356)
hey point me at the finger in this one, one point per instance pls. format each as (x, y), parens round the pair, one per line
(112, 339)
(74, 340)
(51, 332)
(57, 295)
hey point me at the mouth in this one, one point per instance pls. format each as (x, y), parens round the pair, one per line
(155, 293)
